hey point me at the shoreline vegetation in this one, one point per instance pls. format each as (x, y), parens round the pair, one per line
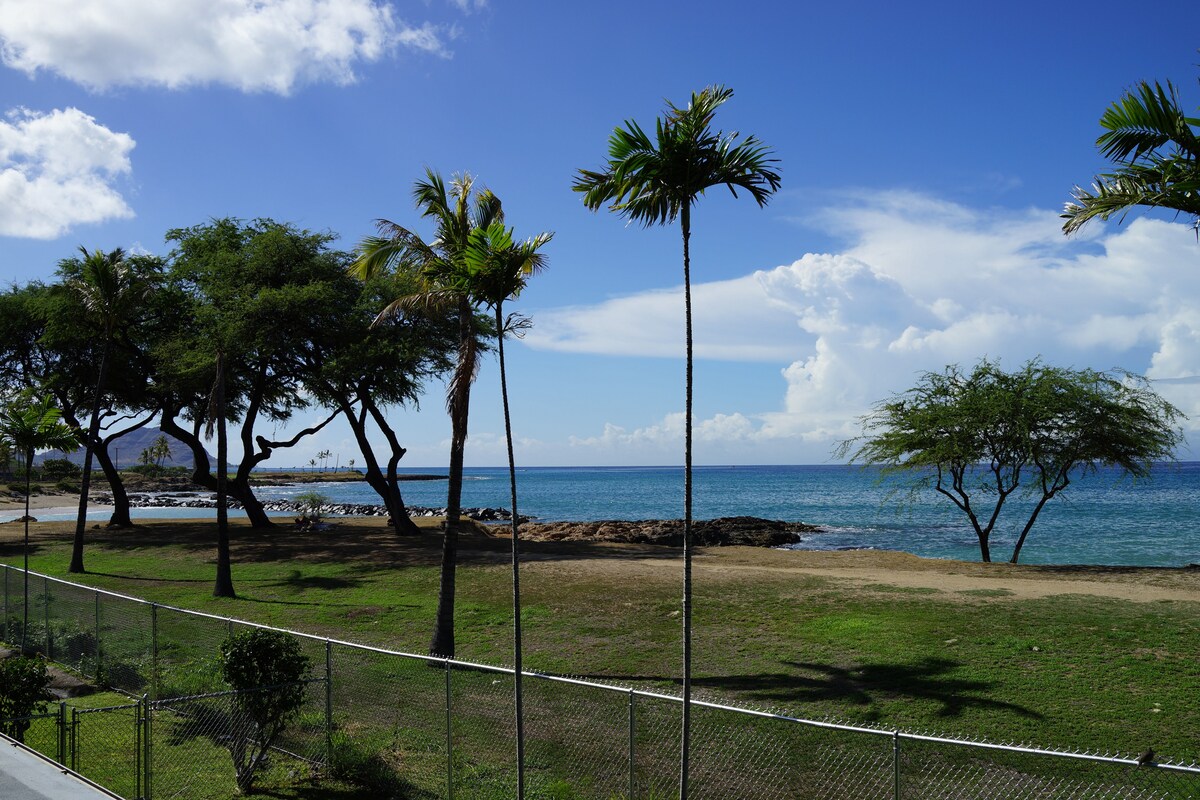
(1056, 656)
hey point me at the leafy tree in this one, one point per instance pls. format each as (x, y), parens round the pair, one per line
(654, 182)
(23, 693)
(456, 211)
(978, 438)
(26, 427)
(267, 669)
(1155, 149)
(360, 369)
(498, 269)
(259, 293)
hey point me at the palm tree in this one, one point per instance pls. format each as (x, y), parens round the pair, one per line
(499, 269)
(455, 211)
(25, 431)
(1155, 148)
(654, 182)
(109, 291)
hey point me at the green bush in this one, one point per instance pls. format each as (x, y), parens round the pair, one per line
(22, 693)
(67, 485)
(311, 504)
(268, 670)
(58, 468)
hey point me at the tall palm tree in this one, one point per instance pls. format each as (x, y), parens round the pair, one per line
(25, 430)
(109, 291)
(498, 270)
(654, 182)
(1155, 148)
(456, 211)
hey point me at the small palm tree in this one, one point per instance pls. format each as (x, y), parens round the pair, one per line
(25, 429)
(109, 291)
(498, 270)
(1155, 147)
(456, 211)
(656, 181)
(215, 420)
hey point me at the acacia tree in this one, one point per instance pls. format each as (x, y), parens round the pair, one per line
(978, 438)
(655, 182)
(1155, 148)
(456, 211)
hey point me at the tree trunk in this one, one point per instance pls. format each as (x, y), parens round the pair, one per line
(443, 631)
(516, 562)
(86, 479)
(388, 493)
(120, 516)
(685, 220)
(223, 586)
(202, 474)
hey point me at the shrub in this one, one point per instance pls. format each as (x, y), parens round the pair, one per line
(22, 693)
(58, 468)
(67, 485)
(267, 668)
(311, 504)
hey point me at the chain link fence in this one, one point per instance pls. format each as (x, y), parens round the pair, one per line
(408, 725)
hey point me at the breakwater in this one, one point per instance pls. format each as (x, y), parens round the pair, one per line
(208, 500)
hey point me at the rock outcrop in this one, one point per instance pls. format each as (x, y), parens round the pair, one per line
(751, 531)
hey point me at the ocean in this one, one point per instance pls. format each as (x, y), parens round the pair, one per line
(1099, 519)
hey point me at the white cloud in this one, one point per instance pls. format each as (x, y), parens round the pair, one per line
(57, 170)
(252, 45)
(923, 283)
(651, 324)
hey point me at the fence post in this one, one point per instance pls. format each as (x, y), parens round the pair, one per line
(62, 734)
(5, 601)
(896, 764)
(449, 738)
(74, 738)
(154, 650)
(46, 616)
(632, 744)
(148, 742)
(139, 766)
(99, 646)
(328, 703)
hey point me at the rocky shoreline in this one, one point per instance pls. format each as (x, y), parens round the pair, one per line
(721, 532)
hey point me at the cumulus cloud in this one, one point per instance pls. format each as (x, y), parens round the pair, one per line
(57, 170)
(922, 283)
(252, 45)
(651, 324)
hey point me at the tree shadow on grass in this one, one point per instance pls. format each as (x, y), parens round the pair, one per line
(930, 680)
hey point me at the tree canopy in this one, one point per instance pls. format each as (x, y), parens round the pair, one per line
(979, 437)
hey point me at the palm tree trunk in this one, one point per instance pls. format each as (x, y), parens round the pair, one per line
(685, 738)
(224, 583)
(86, 479)
(460, 401)
(518, 695)
(25, 603)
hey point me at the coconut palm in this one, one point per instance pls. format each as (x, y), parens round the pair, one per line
(498, 270)
(109, 291)
(25, 429)
(654, 182)
(455, 211)
(1155, 148)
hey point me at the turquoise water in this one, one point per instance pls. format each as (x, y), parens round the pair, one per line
(1099, 520)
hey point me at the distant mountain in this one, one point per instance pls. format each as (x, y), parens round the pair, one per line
(126, 450)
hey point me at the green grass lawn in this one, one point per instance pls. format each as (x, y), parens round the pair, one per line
(1066, 671)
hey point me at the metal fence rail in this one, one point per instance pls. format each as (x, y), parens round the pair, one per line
(411, 725)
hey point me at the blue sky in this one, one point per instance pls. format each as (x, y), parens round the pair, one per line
(926, 150)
